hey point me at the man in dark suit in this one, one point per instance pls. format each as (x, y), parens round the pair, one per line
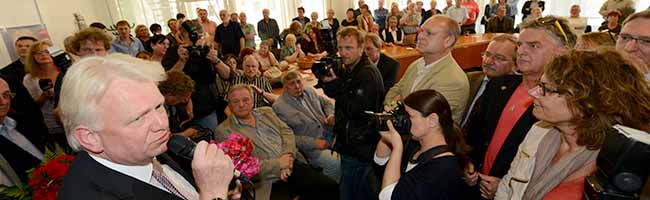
(505, 117)
(15, 71)
(114, 116)
(13, 74)
(498, 60)
(22, 141)
(500, 23)
(388, 67)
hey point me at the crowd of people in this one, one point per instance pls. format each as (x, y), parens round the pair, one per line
(528, 125)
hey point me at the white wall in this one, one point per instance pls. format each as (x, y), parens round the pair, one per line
(56, 14)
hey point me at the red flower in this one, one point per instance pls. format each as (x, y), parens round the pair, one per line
(47, 178)
(240, 149)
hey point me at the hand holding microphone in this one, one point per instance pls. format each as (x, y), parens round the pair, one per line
(212, 168)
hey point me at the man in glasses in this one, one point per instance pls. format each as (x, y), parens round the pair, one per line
(634, 41)
(22, 143)
(506, 115)
(498, 60)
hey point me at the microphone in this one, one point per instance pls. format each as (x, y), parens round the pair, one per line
(184, 147)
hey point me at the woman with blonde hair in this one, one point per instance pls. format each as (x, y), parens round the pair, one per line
(291, 50)
(39, 81)
(266, 57)
(579, 96)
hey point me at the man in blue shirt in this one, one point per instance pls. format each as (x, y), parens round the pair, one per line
(125, 43)
(380, 15)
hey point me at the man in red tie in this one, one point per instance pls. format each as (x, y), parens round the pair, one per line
(506, 112)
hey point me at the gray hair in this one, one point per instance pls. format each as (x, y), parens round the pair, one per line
(289, 76)
(240, 87)
(86, 82)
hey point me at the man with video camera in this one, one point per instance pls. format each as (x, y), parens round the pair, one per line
(199, 61)
(357, 87)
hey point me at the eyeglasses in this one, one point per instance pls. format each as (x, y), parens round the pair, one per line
(8, 95)
(498, 57)
(556, 23)
(641, 40)
(546, 89)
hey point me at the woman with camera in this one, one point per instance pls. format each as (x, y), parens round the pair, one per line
(428, 165)
(579, 96)
(39, 81)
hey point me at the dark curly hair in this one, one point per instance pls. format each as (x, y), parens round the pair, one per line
(602, 89)
(177, 83)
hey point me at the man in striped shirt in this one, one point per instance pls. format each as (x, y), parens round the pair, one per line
(268, 29)
(263, 93)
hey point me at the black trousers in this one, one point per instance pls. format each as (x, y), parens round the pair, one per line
(306, 183)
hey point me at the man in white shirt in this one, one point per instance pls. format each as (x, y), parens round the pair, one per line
(22, 146)
(114, 116)
(437, 69)
(458, 13)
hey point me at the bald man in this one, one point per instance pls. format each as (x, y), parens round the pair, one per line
(437, 69)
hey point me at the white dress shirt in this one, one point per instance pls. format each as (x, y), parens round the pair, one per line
(144, 173)
(422, 72)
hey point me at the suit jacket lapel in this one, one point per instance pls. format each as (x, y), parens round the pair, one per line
(120, 185)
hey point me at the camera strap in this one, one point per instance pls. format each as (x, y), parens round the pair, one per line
(428, 154)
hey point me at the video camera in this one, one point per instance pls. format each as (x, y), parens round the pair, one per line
(321, 67)
(398, 116)
(623, 165)
(195, 34)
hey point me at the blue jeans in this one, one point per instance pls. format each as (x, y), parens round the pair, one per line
(329, 161)
(209, 121)
(354, 179)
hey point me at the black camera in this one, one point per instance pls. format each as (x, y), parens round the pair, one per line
(623, 165)
(322, 67)
(398, 116)
(194, 33)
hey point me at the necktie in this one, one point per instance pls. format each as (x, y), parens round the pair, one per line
(160, 176)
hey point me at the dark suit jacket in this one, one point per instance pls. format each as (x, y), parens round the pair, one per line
(88, 179)
(19, 159)
(22, 104)
(483, 124)
(475, 79)
(388, 67)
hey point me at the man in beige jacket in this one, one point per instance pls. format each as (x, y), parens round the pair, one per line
(437, 69)
(274, 145)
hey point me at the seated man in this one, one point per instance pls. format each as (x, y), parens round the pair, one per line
(263, 95)
(22, 142)
(311, 117)
(274, 145)
(114, 116)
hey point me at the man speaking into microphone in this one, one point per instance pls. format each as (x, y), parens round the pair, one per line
(114, 116)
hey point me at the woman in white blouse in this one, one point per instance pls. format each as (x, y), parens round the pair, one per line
(434, 156)
(579, 24)
(39, 81)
